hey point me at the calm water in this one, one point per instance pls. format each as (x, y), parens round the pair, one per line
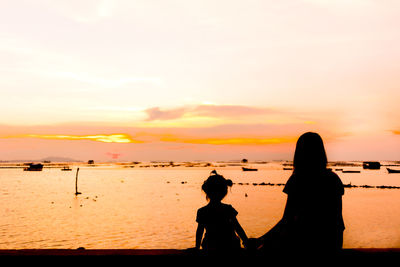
(156, 207)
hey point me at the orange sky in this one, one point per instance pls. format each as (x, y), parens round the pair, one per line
(185, 80)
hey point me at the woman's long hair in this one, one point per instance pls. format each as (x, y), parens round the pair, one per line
(310, 155)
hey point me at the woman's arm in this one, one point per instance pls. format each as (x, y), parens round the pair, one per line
(289, 214)
(287, 218)
(199, 235)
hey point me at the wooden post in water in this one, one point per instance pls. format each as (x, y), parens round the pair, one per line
(76, 183)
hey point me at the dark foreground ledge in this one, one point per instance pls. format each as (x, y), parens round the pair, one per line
(93, 257)
(169, 252)
(92, 252)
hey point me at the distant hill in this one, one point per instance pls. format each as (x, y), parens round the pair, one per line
(51, 159)
(59, 159)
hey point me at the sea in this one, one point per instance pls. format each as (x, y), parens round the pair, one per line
(153, 205)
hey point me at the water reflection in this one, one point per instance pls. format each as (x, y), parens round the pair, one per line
(151, 208)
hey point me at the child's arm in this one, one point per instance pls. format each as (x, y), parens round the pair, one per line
(239, 230)
(199, 235)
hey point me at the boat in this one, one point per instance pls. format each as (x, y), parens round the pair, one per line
(350, 171)
(392, 170)
(372, 165)
(34, 167)
(66, 168)
(248, 169)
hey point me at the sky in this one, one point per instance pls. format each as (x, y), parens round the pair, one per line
(198, 80)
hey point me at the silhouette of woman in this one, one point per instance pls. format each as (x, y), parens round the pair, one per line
(312, 217)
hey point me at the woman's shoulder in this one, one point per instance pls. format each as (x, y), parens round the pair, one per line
(328, 179)
(331, 173)
(333, 177)
(290, 184)
(335, 180)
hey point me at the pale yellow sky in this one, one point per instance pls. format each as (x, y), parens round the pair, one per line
(162, 66)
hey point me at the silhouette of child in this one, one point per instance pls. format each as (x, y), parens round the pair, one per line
(218, 219)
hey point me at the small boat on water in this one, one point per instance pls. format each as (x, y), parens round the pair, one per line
(248, 169)
(372, 165)
(287, 169)
(392, 170)
(66, 168)
(34, 167)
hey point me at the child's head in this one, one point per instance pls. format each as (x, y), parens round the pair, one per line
(216, 186)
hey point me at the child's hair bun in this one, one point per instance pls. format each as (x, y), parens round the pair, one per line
(216, 182)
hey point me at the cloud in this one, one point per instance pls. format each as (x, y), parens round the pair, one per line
(229, 141)
(83, 11)
(157, 114)
(110, 138)
(149, 137)
(113, 155)
(229, 110)
(239, 132)
(214, 111)
(99, 81)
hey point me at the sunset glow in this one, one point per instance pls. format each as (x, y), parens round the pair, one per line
(173, 79)
(230, 141)
(112, 138)
(200, 128)
(168, 138)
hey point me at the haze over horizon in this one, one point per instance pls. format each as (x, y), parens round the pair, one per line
(186, 80)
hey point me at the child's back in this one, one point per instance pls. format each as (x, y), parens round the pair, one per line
(218, 220)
